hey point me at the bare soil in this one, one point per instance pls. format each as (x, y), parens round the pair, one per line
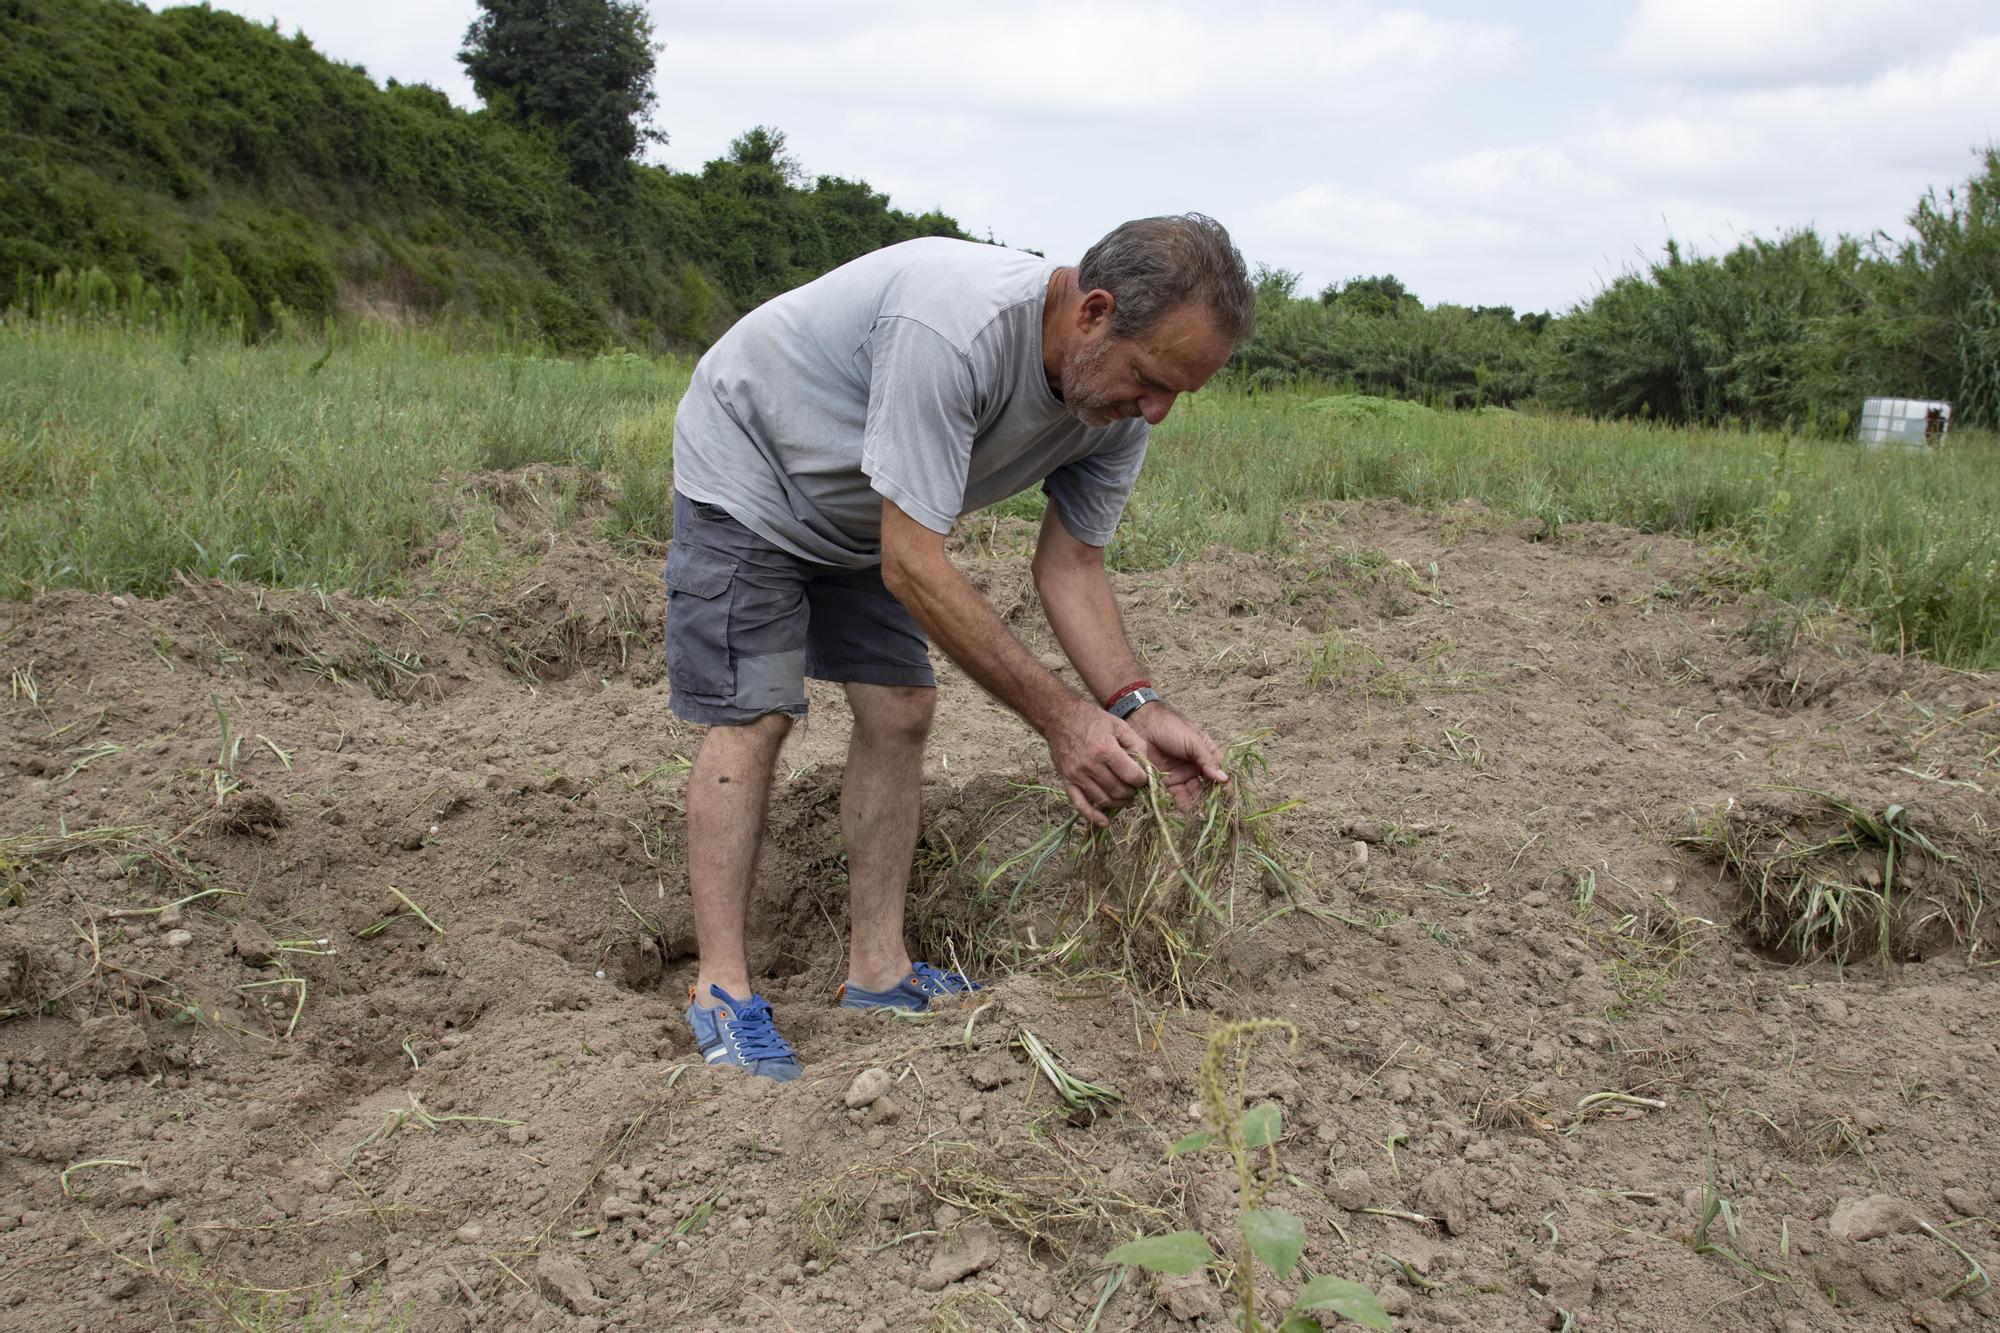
(487, 1113)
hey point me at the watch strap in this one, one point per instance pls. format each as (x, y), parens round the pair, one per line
(1131, 701)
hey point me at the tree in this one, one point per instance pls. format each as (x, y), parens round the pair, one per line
(764, 146)
(1383, 294)
(579, 69)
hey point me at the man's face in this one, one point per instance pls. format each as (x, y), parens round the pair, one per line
(1108, 379)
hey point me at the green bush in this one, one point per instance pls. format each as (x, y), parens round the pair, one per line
(193, 143)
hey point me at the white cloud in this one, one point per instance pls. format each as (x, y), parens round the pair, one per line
(1120, 60)
(1487, 162)
(1546, 223)
(1765, 43)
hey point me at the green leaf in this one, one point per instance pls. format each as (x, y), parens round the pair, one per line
(1262, 1125)
(696, 1220)
(1276, 1237)
(1199, 1139)
(1300, 1323)
(1178, 1252)
(1349, 1300)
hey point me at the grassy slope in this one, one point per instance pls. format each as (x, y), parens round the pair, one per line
(133, 454)
(194, 144)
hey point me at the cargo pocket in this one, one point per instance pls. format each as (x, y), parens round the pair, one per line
(698, 655)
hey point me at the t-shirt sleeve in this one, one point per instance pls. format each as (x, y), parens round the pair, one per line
(916, 446)
(1090, 493)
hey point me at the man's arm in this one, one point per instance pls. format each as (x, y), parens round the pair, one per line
(1076, 596)
(1093, 751)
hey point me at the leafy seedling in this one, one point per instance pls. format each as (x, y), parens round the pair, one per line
(1271, 1236)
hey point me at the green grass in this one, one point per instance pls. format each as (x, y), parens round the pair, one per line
(1910, 543)
(127, 454)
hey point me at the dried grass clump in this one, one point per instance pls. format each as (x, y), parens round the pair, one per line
(1836, 881)
(1161, 888)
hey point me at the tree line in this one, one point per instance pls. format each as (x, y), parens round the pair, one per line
(1786, 332)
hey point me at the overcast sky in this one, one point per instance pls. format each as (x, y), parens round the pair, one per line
(1485, 154)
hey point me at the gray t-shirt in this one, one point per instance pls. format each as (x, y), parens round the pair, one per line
(912, 374)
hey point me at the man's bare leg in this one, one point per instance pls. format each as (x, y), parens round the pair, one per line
(879, 801)
(727, 793)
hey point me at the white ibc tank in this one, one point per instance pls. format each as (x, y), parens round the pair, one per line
(1904, 423)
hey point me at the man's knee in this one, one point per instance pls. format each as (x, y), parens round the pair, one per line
(759, 737)
(894, 714)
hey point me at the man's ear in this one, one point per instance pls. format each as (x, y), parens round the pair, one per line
(1095, 309)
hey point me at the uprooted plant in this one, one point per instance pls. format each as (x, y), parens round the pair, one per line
(1161, 887)
(1249, 1138)
(1150, 899)
(1840, 880)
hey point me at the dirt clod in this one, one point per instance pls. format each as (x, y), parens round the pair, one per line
(108, 1046)
(1871, 1218)
(974, 1249)
(253, 944)
(564, 1281)
(868, 1086)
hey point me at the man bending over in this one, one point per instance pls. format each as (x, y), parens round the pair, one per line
(822, 453)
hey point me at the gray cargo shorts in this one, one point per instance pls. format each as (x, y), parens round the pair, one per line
(748, 622)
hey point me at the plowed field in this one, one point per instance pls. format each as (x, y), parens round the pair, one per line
(346, 944)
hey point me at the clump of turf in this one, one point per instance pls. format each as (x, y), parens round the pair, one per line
(1161, 888)
(1826, 878)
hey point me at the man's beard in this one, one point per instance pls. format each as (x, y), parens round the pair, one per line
(1085, 401)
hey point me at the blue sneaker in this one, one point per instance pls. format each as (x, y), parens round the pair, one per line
(915, 991)
(742, 1033)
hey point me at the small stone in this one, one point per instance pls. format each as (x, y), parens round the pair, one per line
(518, 1136)
(108, 1046)
(868, 1086)
(874, 1323)
(1395, 1299)
(169, 917)
(976, 1249)
(179, 939)
(253, 944)
(1872, 1217)
(1352, 1189)
(1964, 1202)
(565, 1281)
(1357, 854)
(1187, 1298)
(469, 1234)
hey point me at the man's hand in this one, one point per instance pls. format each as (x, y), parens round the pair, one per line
(1179, 749)
(1098, 758)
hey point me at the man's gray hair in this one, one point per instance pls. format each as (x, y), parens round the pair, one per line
(1154, 265)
